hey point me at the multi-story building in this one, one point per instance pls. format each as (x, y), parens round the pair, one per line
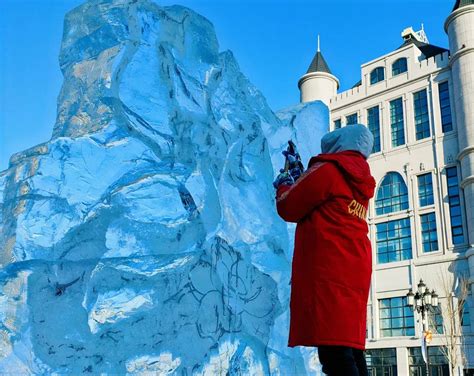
(418, 101)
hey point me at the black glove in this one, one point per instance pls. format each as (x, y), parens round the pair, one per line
(283, 178)
(295, 166)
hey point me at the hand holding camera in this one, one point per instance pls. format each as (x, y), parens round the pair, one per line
(293, 167)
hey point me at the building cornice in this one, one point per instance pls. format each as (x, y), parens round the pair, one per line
(458, 54)
(470, 252)
(412, 146)
(458, 12)
(386, 91)
(390, 54)
(464, 152)
(467, 180)
(439, 259)
(311, 75)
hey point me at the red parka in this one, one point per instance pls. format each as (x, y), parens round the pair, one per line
(332, 260)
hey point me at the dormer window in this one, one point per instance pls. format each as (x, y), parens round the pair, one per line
(399, 66)
(377, 75)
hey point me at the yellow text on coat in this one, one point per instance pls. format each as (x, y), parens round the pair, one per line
(357, 209)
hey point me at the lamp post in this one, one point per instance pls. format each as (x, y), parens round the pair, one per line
(422, 302)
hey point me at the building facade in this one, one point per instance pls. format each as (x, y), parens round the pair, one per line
(418, 101)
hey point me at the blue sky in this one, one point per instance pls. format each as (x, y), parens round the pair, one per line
(273, 41)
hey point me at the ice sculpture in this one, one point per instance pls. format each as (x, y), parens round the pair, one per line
(143, 237)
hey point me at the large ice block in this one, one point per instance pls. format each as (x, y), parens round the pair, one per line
(142, 237)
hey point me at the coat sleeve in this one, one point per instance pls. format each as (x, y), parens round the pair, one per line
(315, 186)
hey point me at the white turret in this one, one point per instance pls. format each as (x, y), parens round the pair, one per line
(318, 83)
(460, 29)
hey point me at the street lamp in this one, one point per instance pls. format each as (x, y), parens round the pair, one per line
(421, 286)
(422, 302)
(427, 296)
(410, 297)
(434, 298)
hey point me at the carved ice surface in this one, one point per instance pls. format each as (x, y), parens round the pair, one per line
(143, 237)
(116, 305)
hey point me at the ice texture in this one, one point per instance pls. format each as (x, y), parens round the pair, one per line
(142, 238)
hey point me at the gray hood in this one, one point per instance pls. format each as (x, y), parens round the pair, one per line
(351, 137)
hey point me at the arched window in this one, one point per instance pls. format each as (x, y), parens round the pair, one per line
(392, 194)
(399, 66)
(378, 74)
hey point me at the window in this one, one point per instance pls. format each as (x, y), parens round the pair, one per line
(396, 122)
(392, 195)
(377, 75)
(337, 124)
(399, 66)
(396, 318)
(425, 189)
(439, 365)
(351, 119)
(381, 361)
(429, 237)
(422, 121)
(435, 319)
(373, 121)
(393, 241)
(445, 106)
(454, 205)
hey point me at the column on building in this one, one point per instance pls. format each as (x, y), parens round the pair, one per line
(460, 29)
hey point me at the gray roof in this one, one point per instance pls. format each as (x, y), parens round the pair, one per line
(429, 50)
(462, 3)
(319, 64)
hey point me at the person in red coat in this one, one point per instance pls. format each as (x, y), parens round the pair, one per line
(332, 259)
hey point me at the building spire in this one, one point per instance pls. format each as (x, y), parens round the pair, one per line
(318, 64)
(318, 83)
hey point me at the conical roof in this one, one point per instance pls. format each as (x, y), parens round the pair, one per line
(462, 3)
(319, 64)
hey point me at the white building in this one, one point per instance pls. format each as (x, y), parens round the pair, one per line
(418, 101)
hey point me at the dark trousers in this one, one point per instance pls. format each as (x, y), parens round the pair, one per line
(342, 361)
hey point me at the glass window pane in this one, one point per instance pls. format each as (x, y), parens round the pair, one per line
(399, 66)
(425, 189)
(351, 119)
(429, 235)
(395, 319)
(373, 123)
(422, 124)
(392, 194)
(377, 75)
(454, 206)
(446, 122)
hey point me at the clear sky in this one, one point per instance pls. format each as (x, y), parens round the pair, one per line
(273, 41)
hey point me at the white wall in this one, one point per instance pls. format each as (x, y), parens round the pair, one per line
(318, 86)
(415, 157)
